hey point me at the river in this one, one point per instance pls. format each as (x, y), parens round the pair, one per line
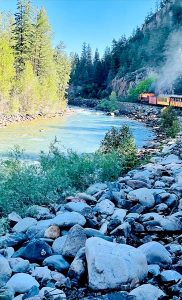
(81, 130)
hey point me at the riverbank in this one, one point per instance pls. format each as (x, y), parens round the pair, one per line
(149, 115)
(6, 120)
(117, 240)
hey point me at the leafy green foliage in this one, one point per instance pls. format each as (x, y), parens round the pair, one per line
(7, 71)
(142, 87)
(169, 122)
(56, 176)
(121, 141)
(59, 174)
(33, 76)
(22, 34)
(110, 104)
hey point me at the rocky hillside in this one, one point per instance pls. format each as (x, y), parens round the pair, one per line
(122, 85)
(153, 49)
(119, 240)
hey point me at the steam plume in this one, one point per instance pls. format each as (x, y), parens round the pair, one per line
(172, 68)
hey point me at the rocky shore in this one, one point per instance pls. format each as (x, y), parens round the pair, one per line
(6, 120)
(118, 240)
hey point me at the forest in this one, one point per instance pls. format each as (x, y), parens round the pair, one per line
(92, 75)
(33, 75)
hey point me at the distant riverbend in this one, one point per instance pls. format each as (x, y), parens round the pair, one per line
(80, 130)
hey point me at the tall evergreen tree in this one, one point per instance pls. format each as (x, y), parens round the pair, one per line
(42, 50)
(97, 68)
(63, 67)
(22, 35)
(89, 64)
(83, 77)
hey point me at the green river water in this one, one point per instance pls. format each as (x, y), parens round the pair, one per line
(81, 130)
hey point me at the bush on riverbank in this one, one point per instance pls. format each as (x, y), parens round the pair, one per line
(121, 140)
(109, 104)
(169, 122)
(60, 174)
(57, 176)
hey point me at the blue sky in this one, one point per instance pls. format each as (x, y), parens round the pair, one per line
(94, 21)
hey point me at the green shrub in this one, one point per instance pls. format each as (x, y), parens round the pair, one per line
(142, 87)
(122, 141)
(170, 124)
(110, 104)
(55, 176)
(59, 174)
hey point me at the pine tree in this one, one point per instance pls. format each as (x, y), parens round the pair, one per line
(63, 67)
(83, 77)
(106, 62)
(42, 53)
(75, 63)
(89, 65)
(97, 68)
(22, 35)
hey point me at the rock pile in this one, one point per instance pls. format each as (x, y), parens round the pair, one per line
(120, 240)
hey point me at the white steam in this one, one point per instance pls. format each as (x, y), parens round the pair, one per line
(172, 68)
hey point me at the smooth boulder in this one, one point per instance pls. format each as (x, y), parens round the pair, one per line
(5, 271)
(156, 253)
(111, 265)
(143, 195)
(69, 219)
(147, 292)
(22, 283)
(57, 262)
(75, 240)
(24, 224)
(36, 251)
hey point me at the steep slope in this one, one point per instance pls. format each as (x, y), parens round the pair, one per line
(153, 49)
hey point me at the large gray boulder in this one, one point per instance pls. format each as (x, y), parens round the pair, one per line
(110, 265)
(5, 271)
(171, 159)
(69, 219)
(170, 275)
(22, 283)
(58, 245)
(143, 195)
(75, 240)
(105, 207)
(96, 187)
(19, 265)
(24, 224)
(57, 262)
(147, 292)
(156, 253)
(76, 206)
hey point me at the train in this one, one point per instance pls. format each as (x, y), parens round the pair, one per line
(164, 100)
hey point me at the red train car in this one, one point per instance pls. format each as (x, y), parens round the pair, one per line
(144, 97)
(153, 100)
(164, 100)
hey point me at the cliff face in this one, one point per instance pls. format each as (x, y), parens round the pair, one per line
(122, 85)
(155, 31)
(164, 15)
